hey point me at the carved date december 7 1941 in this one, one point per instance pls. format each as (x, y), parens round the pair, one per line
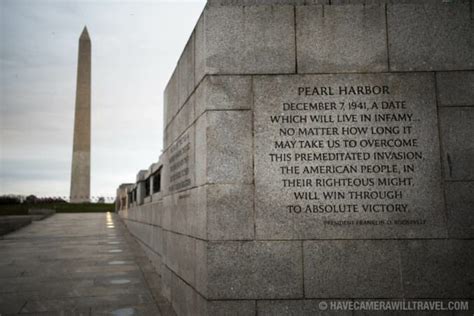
(374, 136)
(357, 148)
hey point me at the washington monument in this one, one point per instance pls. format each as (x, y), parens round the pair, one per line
(81, 153)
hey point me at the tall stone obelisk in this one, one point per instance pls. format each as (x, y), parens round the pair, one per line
(81, 154)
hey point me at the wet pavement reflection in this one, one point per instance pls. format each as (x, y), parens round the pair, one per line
(77, 264)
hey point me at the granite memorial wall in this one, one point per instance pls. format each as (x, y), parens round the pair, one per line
(314, 150)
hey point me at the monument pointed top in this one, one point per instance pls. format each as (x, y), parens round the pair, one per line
(81, 147)
(84, 34)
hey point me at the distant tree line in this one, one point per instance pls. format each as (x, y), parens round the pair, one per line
(30, 199)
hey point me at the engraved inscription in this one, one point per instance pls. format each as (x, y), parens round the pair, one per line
(179, 164)
(347, 152)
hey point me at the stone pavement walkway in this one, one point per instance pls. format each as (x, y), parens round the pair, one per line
(77, 264)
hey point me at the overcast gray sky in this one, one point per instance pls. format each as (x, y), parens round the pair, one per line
(135, 47)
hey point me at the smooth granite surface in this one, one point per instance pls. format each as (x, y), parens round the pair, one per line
(77, 264)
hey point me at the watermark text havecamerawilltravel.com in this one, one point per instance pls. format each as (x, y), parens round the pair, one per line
(393, 305)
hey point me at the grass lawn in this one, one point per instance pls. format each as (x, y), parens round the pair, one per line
(22, 209)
